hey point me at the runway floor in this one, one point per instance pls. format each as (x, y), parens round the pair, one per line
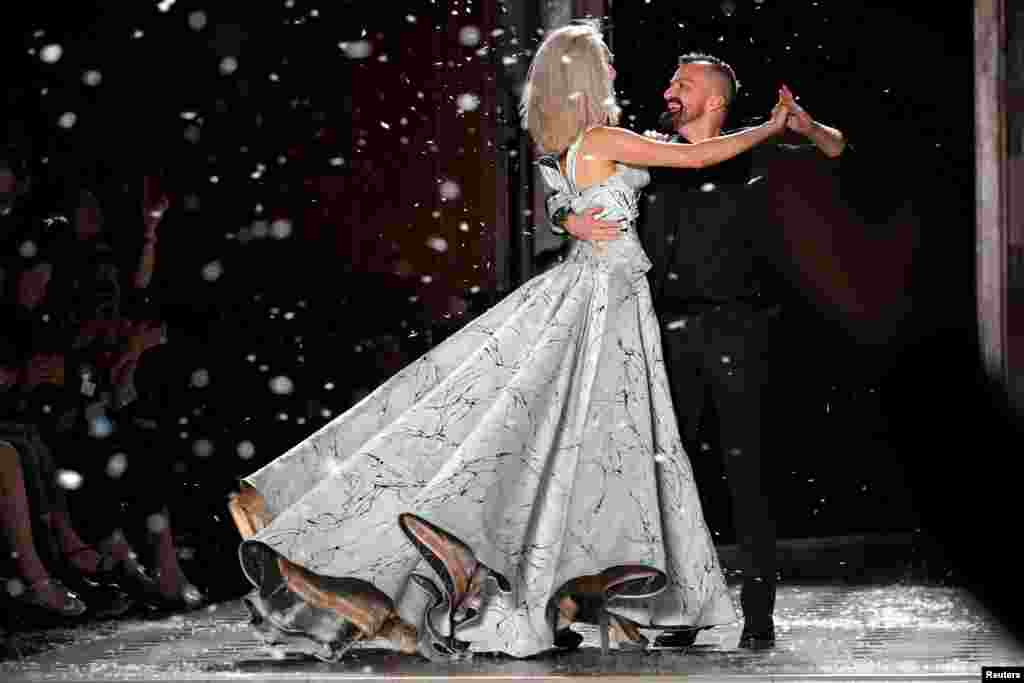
(896, 631)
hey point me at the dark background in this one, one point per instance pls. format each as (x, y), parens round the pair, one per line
(880, 421)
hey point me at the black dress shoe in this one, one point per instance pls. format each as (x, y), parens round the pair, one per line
(757, 638)
(677, 639)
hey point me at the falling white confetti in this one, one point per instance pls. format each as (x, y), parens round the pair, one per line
(281, 228)
(92, 77)
(197, 20)
(69, 480)
(467, 102)
(28, 249)
(156, 523)
(51, 54)
(450, 190)
(438, 244)
(426, 279)
(469, 36)
(360, 49)
(212, 271)
(246, 450)
(165, 5)
(116, 465)
(228, 65)
(200, 378)
(464, 226)
(15, 587)
(202, 448)
(67, 119)
(281, 385)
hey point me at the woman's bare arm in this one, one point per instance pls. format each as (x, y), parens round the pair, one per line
(627, 147)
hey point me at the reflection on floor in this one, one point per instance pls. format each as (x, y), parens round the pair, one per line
(899, 631)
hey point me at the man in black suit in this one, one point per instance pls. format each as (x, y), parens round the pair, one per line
(708, 235)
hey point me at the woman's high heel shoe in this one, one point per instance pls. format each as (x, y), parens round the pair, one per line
(585, 599)
(186, 599)
(69, 604)
(249, 511)
(467, 581)
(432, 643)
(295, 605)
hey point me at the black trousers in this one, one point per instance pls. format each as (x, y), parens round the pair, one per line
(718, 357)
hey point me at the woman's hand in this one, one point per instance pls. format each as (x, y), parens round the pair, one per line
(780, 114)
(799, 120)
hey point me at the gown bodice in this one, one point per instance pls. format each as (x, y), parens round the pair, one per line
(617, 197)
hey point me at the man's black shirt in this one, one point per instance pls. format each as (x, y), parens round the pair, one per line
(710, 232)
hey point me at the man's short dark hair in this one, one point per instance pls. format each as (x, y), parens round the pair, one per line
(722, 67)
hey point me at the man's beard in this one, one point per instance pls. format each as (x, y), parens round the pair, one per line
(670, 120)
(667, 122)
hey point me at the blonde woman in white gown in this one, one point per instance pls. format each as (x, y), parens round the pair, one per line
(525, 474)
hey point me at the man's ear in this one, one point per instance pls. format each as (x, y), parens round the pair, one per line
(716, 102)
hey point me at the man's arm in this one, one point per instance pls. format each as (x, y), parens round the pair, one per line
(557, 201)
(829, 140)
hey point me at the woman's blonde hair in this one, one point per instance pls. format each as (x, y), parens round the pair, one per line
(568, 88)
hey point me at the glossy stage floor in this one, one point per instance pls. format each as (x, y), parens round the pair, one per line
(882, 628)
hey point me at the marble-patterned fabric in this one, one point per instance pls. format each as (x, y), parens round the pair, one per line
(542, 434)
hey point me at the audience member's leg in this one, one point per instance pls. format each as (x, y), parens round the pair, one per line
(16, 526)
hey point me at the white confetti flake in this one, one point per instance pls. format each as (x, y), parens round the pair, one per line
(281, 228)
(359, 49)
(51, 54)
(438, 244)
(246, 450)
(212, 271)
(450, 190)
(202, 448)
(69, 480)
(469, 36)
(92, 77)
(67, 119)
(116, 465)
(197, 20)
(28, 249)
(200, 378)
(281, 385)
(467, 102)
(156, 523)
(228, 65)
